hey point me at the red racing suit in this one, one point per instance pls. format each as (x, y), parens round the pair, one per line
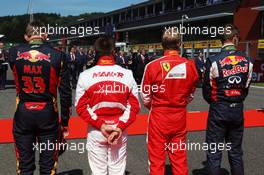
(167, 87)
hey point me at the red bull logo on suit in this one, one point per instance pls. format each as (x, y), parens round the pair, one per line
(33, 56)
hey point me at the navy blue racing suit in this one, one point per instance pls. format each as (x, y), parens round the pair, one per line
(39, 70)
(225, 87)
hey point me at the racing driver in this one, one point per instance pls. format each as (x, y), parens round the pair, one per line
(107, 99)
(226, 83)
(39, 70)
(167, 87)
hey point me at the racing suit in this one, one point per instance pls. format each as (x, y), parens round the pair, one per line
(38, 71)
(107, 94)
(167, 87)
(226, 82)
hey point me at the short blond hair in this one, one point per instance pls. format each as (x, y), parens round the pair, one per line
(171, 39)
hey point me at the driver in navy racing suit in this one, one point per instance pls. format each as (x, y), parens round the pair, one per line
(226, 83)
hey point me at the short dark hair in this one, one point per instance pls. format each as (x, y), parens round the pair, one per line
(34, 28)
(230, 31)
(71, 47)
(104, 45)
(171, 39)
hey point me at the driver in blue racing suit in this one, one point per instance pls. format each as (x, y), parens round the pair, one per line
(39, 70)
(226, 83)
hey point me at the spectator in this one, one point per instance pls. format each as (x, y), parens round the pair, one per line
(156, 54)
(121, 59)
(141, 61)
(90, 59)
(81, 60)
(3, 66)
(200, 64)
(72, 65)
(130, 61)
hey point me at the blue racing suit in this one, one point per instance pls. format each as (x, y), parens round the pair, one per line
(225, 87)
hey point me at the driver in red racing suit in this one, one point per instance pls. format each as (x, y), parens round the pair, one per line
(167, 87)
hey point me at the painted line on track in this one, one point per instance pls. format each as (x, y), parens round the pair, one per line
(257, 87)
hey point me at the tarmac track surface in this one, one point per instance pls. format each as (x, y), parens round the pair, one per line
(74, 163)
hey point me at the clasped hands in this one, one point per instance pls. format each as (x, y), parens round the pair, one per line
(112, 134)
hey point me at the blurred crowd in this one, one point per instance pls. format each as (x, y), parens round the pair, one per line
(80, 59)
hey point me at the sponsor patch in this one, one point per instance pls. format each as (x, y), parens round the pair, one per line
(234, 80)
(106, 62)
(177, 72)
(232, 60)
(33, 56)
(232, 93)
(235, 70)
(166, 66)
(108, 74)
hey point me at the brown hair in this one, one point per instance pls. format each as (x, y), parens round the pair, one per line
(34, 28)
(171, 39)
(104, 45)
(230, 31)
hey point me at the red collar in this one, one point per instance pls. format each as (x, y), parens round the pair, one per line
(171, 53)
(106, 61)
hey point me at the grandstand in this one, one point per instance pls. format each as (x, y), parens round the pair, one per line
(140, 25)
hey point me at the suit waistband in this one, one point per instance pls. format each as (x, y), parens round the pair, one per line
(230, 104)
